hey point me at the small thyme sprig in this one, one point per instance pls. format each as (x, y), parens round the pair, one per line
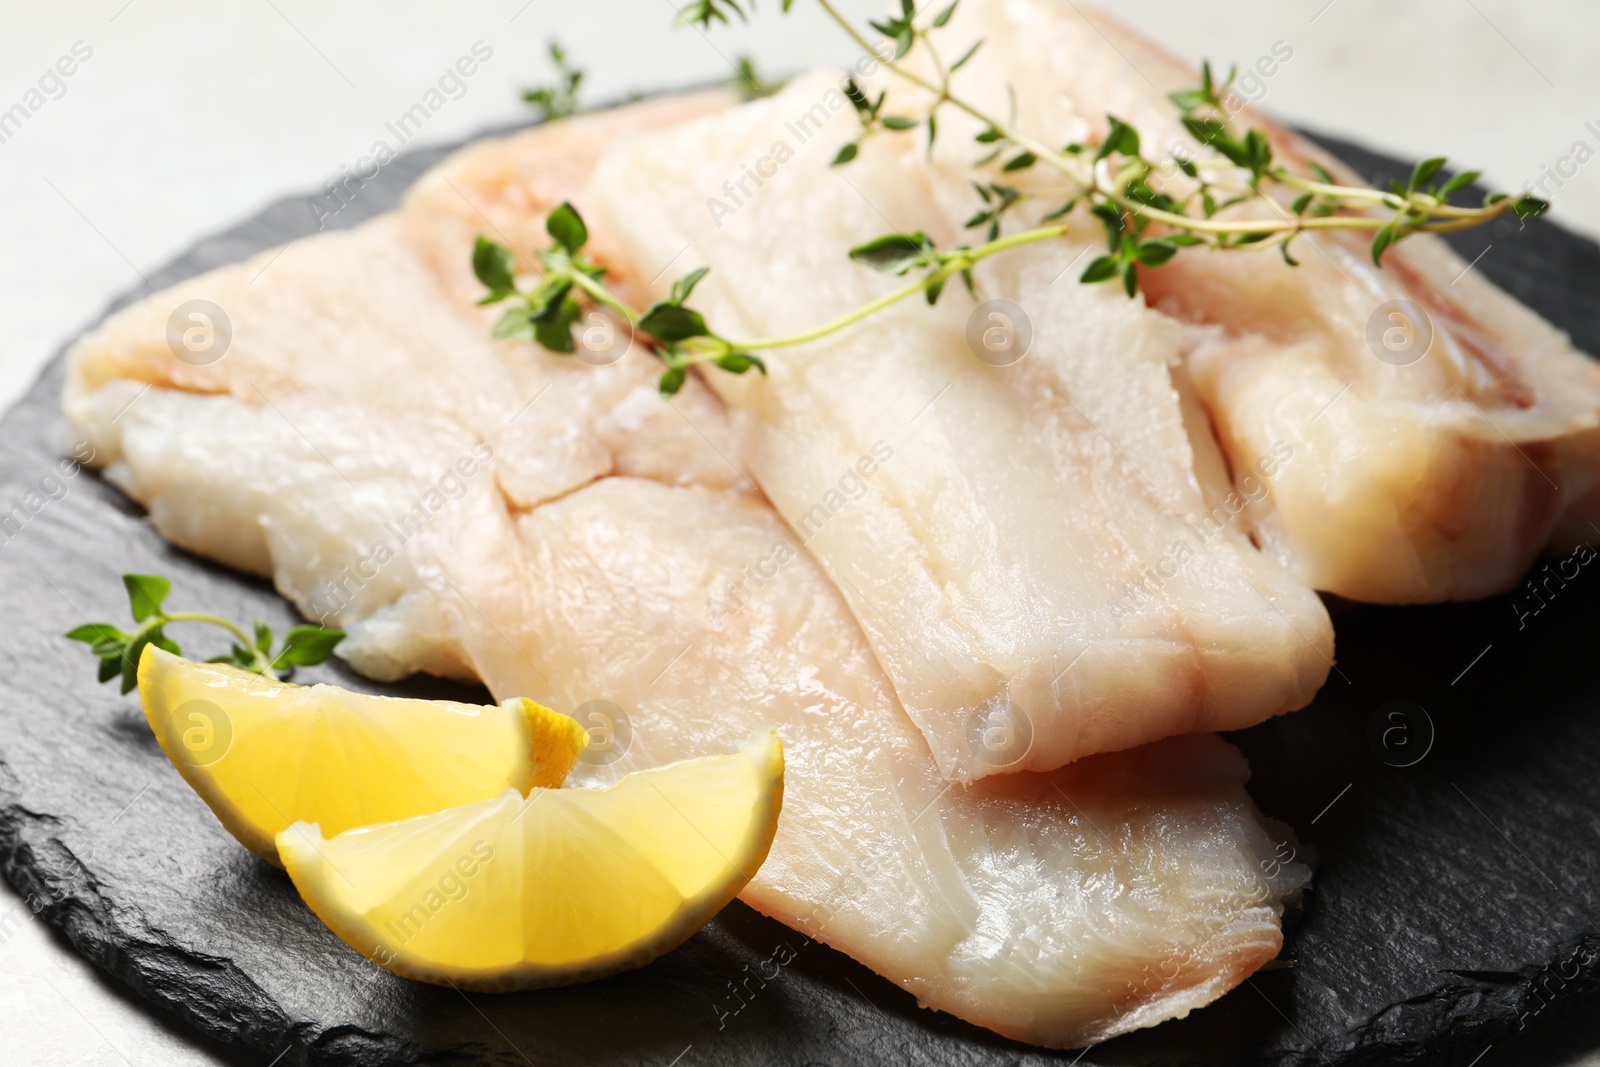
(905, 33)
(1145, 224)
(119, 650)
(559, 99)
(547, 311)
(749, 83)
(703, 13)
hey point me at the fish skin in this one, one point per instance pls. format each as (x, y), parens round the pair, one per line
(1058, 909)
(1440, 480)
(1041, 547)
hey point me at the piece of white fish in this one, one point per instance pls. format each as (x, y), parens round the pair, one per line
(1438, 448)
(255, 461)
(481, 509)
(1040, 556)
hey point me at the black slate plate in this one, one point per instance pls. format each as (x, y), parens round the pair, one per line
(1452, 909)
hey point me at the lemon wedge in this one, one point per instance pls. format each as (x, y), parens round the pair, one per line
(562, 886)
(265, 754)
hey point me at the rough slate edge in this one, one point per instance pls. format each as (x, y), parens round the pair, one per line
(1426, 1019)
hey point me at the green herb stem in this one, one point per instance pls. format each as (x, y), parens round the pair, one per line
(265, 664)
(119, 651)
(942, 95)
(1464, 220)
(1431, 205)
(835, 325)
(707, 348)
(602, 295)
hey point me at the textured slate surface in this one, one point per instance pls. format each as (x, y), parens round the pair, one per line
(1452, 910)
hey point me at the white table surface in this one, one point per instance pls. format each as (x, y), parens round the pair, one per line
(190, 116)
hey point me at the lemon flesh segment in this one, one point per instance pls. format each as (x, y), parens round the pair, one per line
(264, 754)
(562, 886)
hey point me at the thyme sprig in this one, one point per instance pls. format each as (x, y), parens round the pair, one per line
(560, 98)
(547, 310)
(1114, 179)
(1149, 211)
(571, 282)
(703, 13)
(903, 33)
(119, 650)
(748, 82)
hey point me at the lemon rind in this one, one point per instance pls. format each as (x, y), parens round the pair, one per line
(153, 695)
(764, 751)
(550, 744)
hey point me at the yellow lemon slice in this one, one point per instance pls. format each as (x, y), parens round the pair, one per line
(562, 886)
(265, 754)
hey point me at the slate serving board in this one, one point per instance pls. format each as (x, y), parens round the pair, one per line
(1452, 911)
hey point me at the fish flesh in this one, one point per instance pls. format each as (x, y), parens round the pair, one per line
(503, 187)
(1004, 905)
(1443, 434)
(482, 509)
(1045, 553)
(244, 461)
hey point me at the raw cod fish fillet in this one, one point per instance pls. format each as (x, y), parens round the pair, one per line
(552, 527)
(503, 188)
(1438, 479)
(1035, 548)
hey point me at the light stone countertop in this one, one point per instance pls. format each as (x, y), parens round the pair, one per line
(182, 118)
